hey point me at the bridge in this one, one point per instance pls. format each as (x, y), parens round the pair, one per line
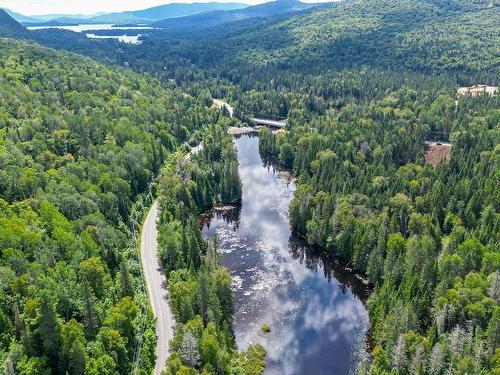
(271, 123)
(264, 120)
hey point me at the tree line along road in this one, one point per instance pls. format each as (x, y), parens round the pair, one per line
(157, 288)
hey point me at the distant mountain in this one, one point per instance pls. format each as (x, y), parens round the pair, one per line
(145, 16)
(59, 39)
(424, 35)
(417, 34)
(50, 17)
(215, 18)
(9, 27)
(166, 11)
(61, 21)
(19, 17)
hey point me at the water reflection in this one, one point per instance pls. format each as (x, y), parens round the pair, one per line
(312, 304)
(331, 266)
(230, 215)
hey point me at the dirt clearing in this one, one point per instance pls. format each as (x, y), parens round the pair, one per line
(435, 152)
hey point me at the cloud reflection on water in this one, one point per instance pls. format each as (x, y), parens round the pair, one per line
(317, 322)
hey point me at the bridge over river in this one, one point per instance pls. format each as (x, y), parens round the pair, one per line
(277, 122)
(271, 123)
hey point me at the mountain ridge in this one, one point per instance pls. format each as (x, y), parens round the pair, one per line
(219, 17)
(147, 15)
(9, 27)
(424, 35)
(18, 16)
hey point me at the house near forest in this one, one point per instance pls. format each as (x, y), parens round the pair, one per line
(477, 90)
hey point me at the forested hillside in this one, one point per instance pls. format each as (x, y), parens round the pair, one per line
(9, 27)
(105, 50)
(221, 17)
(79, 144)
(423, 35)
(456, 37)
(429, 36)
(363, 84)
(427, 238)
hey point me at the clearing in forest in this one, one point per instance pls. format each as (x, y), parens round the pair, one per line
(435, 152)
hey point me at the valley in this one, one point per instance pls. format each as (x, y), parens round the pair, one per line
(240, 189)
(311, 304)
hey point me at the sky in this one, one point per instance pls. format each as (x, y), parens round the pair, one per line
(37, 7)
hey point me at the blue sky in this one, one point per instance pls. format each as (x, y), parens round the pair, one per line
(32, 7)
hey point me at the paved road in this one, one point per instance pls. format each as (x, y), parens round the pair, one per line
(219, 104)
(156, 282)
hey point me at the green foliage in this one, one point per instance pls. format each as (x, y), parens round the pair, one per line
(426, 237)
(414, 34)
(200, 292)
(361, 83)
(273, 60)
(265, 328)
(79, 145)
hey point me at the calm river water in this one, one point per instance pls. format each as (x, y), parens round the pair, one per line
(314, 307)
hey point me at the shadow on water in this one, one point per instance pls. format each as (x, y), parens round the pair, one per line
(333, 268)
(228, 214)
(312, 257)
(314, 305)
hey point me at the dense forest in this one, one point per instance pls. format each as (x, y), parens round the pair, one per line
(79, 144)
(199, 288)
(363, 84)
(455, 37)
(427, 238)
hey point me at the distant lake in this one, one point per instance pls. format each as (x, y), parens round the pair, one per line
(132, 39)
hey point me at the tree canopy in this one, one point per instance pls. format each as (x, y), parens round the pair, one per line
(80, 145)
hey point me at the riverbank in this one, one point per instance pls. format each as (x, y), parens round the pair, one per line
(311, 303)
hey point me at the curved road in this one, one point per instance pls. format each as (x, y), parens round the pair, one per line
(220, 104)
(157, 288)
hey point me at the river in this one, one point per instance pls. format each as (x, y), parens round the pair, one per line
(314, 307)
